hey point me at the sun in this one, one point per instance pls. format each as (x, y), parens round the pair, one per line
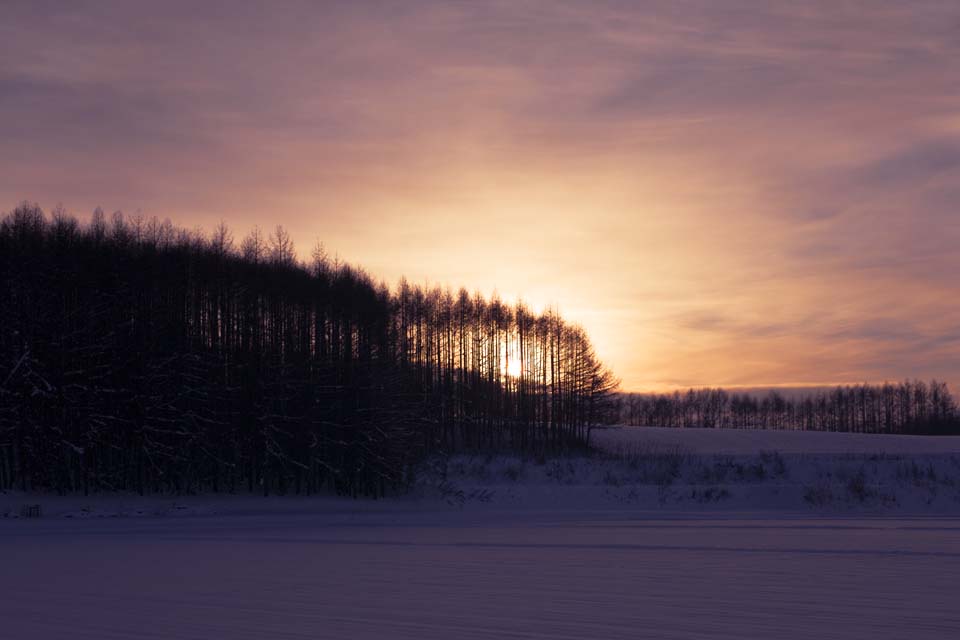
(514, 368)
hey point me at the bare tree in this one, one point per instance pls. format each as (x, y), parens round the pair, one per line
(281, 246)
(253, 246)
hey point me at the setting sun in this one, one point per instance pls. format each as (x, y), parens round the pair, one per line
(514, 368)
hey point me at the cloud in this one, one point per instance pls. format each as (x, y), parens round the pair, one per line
(919, 163)
(723, 193)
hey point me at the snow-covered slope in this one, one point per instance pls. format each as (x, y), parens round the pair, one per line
(756, 441)
(678, 482)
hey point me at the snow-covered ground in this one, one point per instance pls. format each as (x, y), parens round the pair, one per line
(714, 469)
(755, 441)
(340, 569)
(762, 537)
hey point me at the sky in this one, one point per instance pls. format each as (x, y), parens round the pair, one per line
(722, 193)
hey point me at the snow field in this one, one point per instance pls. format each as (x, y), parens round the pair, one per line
(416, 573)
(644, 538)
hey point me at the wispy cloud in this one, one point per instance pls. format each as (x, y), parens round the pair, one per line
(723, 193)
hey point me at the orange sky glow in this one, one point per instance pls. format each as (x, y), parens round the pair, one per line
(721, 193)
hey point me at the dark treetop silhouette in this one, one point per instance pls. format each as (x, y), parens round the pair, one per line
(910, 407)
(138, 356)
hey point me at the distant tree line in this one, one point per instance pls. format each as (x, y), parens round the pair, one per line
(139, 356)
(909, 407)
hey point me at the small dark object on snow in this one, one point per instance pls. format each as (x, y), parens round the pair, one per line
(30, 511)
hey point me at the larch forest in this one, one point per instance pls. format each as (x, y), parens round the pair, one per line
(139, 356)
(909, 407)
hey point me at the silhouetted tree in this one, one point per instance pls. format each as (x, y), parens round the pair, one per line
(138, 356)
(911, 407)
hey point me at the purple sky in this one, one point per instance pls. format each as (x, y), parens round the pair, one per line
(723, 193)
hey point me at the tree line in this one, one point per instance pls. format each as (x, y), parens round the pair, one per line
(909, 407)
(139, 356)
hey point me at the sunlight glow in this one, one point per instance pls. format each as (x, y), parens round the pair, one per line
(514, 369)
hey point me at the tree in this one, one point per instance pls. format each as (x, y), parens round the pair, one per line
(281, 247)
(145, 357)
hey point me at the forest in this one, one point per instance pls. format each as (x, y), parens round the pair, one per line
(139, 356)
(142, 357)
(909, 407)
